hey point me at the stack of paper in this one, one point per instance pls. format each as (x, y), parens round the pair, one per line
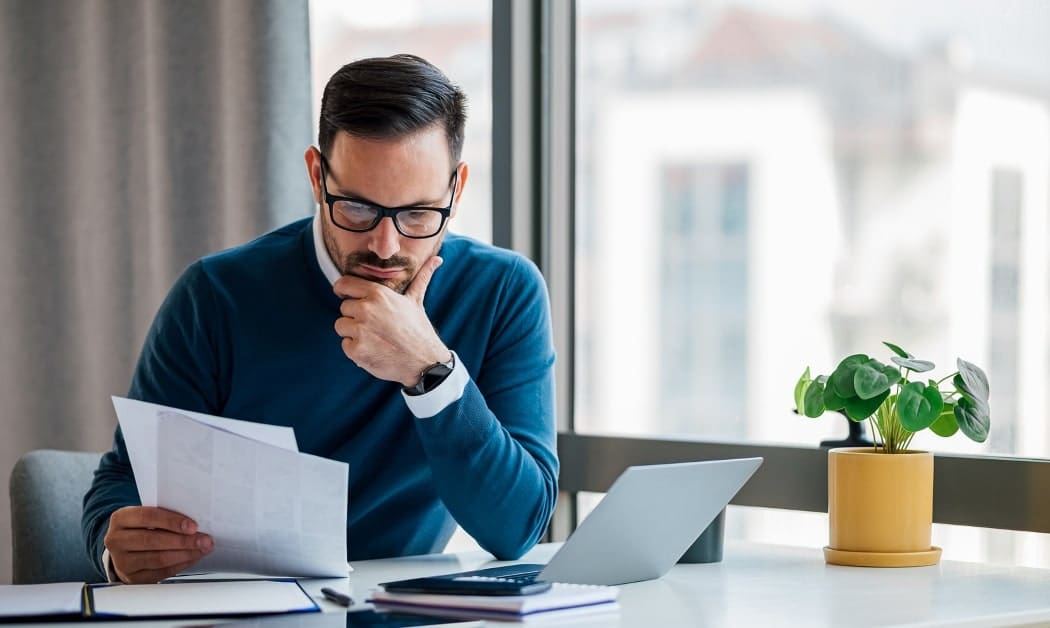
(268, 508)
(561, 599)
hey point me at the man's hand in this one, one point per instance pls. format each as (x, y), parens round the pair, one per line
(386, 333)
(148, 544)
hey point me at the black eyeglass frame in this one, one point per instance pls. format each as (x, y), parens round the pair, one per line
(385, 212)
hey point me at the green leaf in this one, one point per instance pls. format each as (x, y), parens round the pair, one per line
(858, 409)
(894, 348)
(964, 392)
(918, 406)
(974, 381)
(919, 366)
(946, 424)
(832, 401)
(842, 378)
(973, 419)
(800, 389)
(872, 378)
(813, 400)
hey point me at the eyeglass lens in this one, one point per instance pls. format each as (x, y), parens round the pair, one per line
(359, 216)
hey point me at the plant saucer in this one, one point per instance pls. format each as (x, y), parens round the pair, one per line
(882, 559)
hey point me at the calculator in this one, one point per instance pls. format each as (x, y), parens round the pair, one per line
(507, 580)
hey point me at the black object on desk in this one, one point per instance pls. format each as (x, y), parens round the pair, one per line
(857, 436)
(492, 581)
(377, 619)
(341, 599)
(707, 548)
(354, 619)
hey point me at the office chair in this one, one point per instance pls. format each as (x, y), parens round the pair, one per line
(47, 492)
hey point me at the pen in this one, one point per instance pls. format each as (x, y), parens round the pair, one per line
(341, 599)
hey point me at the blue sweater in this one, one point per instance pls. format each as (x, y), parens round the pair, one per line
(248, 334)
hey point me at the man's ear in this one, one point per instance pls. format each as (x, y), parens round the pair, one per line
(313, 171)
(463, 171)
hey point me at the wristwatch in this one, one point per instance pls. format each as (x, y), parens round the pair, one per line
(431, 377)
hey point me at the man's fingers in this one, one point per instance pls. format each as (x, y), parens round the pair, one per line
(418, 289)
(149, 567)
(144, 555)
(347, 327)
(348, 348)
(151, 517)
(354, 308)
(149, 561)
(141, 540)
(351, 287)
(152, 576)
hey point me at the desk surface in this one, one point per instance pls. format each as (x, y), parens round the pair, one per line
(755, 585)
(759, 585)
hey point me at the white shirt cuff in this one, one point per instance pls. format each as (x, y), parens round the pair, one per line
(107, 567)
(445, 394)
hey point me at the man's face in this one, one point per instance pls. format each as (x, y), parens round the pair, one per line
(411, 171)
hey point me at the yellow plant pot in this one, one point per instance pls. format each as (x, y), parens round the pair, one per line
(880, 508)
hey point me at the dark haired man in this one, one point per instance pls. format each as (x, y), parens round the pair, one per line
(436, 386)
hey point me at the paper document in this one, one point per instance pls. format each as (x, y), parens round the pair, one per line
(28, 600)
(138, 423)
(200, 599)
(268, 508)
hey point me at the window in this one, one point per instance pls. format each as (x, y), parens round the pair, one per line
(703, 287)
(763, 186)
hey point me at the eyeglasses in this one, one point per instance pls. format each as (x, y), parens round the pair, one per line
(353, 214)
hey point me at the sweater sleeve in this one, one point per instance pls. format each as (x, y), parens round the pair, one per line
(179, 366)
(113, 487)
(493, 453)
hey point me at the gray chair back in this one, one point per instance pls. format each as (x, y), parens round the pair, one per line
(47, 492)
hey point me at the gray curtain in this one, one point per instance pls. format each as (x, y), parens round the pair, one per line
(135, 136)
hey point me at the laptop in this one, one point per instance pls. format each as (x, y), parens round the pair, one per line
(647, 520)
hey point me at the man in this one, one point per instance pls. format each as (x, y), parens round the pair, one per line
(436, 385)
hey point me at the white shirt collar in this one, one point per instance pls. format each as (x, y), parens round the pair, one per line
(323, 258)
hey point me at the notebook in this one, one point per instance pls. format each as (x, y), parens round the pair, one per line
(214, 598)
(560, 599)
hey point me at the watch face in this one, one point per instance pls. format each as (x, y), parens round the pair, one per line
(432, 377)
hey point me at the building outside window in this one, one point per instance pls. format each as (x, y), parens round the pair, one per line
(703, 288)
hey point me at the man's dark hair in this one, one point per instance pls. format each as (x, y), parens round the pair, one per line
(390, 97)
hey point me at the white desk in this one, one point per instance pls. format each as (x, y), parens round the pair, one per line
(767, 585)
(755, 585)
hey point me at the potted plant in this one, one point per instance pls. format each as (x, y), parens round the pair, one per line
(880, 499)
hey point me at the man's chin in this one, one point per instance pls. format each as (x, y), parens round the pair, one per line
(397, 285)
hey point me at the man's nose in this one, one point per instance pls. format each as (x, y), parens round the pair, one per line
(385, 241)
